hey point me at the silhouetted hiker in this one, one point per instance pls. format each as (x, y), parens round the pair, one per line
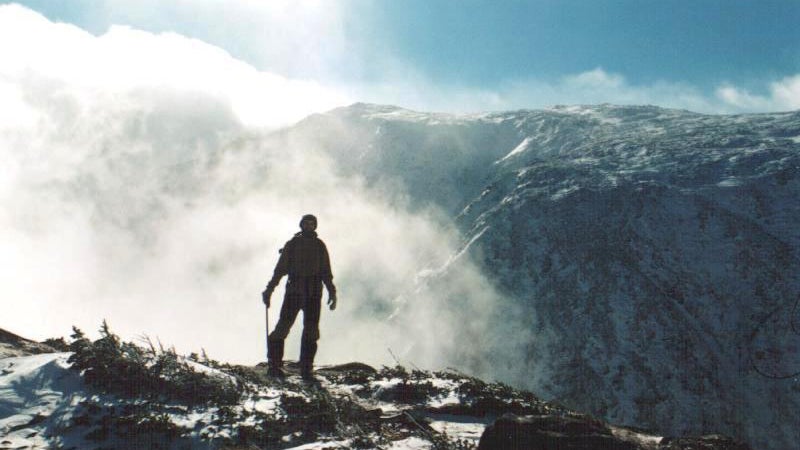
(305, 259)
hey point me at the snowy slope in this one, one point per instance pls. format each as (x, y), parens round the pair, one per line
(648, 257)
(36, 395)
(46, 404)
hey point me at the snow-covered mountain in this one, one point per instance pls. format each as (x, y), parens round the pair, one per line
(112, 394)
(648, 257)
(644, 261)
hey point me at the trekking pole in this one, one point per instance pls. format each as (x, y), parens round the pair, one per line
(266, 319)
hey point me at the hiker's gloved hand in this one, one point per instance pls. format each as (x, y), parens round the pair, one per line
(332, 301)
(266, 295)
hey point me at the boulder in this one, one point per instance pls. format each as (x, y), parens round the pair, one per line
(550, 432)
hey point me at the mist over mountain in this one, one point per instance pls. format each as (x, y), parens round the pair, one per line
(633, 262)
(643, 261)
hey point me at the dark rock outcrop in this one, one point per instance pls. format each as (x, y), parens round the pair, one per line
(554, 432)
(550, 432)
(710, 442)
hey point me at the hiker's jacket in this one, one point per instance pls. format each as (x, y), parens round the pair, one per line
(304, 256)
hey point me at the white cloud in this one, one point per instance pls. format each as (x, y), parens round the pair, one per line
(787, 92)
(595, 79)
(740, 98)
(305, 40)
(124, 59)
(783, 95)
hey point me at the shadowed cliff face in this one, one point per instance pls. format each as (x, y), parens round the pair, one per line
(646, 258)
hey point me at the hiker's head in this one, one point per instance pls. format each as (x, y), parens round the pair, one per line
(308, 223)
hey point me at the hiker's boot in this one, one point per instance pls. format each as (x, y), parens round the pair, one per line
(308, 349)
(306, 369)
(275, 371)
(275, 357)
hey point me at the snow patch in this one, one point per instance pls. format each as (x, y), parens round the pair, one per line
(730, 182)
(412, 443)
(645, 440)
(450, 398)
(459, 428)
(322, 444)
(210, 371)
(517, 150)
(429, 273)
(561, 193)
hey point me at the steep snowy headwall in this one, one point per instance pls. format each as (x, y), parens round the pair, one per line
(648, 257)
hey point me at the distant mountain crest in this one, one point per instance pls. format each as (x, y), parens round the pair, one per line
(13, 345)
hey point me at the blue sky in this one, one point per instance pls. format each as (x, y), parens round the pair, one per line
(696, 41)
(710, 55)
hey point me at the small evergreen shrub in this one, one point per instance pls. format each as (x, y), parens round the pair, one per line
(480, 398)
(58, 344)
(397, 371)
(131, 371)
(410, 393)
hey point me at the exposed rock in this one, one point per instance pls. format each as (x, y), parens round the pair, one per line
(558, 432)
(710, 442)
(550, 432)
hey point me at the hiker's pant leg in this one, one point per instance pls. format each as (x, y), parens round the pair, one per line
(292, 302)
(275, 352)
(311, 312)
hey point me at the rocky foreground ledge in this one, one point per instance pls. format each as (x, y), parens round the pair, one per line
(110, 394)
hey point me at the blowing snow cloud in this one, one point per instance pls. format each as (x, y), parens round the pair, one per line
(136, 188)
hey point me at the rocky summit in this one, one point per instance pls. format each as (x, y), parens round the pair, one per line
(112, 394)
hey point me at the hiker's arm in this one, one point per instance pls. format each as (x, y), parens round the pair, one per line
(328, 282)
(281, 269)
(327, 278)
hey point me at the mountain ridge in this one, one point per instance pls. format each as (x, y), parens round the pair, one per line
(653, 250)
